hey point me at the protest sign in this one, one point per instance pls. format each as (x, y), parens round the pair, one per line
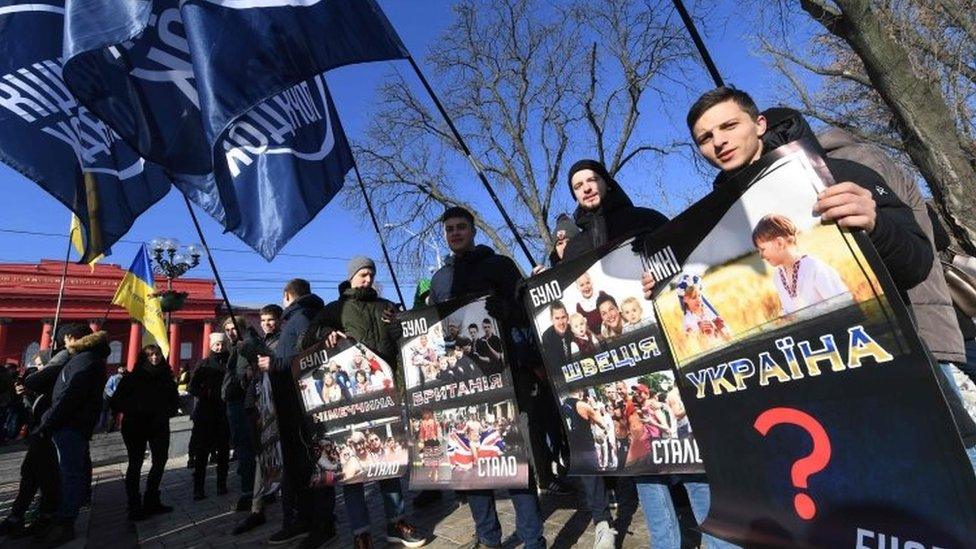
(348, 392)
(269, 447)
(815, 404)
(620, 407)
(464, 423)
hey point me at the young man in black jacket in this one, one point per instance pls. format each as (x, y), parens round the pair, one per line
(604, 213)
(477, 268)
(305, 511)
(76, 403)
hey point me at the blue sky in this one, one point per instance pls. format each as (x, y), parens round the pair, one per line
(320, 252)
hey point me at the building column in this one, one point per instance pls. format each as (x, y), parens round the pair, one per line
(46, 333)
(95, 324)
(205, 346)
(4, 328)
(135, 344)
(174, 345)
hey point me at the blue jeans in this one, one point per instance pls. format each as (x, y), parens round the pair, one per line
(969, 368)
(241, 429)
(356, 504)
(528, 517)
(72, 448)
(662, 521)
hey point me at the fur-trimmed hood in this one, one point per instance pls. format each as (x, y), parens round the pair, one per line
(95, 342)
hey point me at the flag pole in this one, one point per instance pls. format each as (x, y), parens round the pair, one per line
(64, 277)
(699, 43)
(376, 225)
(472, 160)
(213, 265)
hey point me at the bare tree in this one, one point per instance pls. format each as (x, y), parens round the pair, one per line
(528, 84)
(899, 73)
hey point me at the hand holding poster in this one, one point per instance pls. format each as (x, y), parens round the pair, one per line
(602, 349)
(349, 394)
(813, 399)
(464, 423)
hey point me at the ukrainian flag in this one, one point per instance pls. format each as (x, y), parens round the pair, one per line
(134, 296)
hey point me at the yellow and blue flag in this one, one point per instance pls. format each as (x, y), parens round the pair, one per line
(135, 295)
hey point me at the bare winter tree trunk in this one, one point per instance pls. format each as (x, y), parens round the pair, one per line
(920, 110)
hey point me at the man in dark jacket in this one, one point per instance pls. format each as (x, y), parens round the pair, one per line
(253, 380)
(76, 403)
(604, 214)
(366, 317)
(233, 392)
(39, 470)
(305, 511)
(477, 268)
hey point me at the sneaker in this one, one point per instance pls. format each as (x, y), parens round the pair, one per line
(59, 533)
(604, 537)
(426, 497)
(252, 521)
(286, 535)
(243, 504)
(319, 538)
(362, 541)
(405, 534)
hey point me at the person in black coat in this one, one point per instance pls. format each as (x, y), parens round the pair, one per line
(76, 403)
(146, 398)
(211, 432)
(304, 510)
(39, 470)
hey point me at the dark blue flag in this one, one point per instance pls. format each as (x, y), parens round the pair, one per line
(230, 96)
(51, 139)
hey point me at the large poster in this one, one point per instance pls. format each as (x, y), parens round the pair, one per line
(269, 446)
(820, 421)
(602, 347)
(350, 396)
(464, 423)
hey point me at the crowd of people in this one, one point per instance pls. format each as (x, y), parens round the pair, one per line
(730, 133)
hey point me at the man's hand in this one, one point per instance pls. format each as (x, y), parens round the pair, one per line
(388, 314)
(850, 205)
(648, 282)
(538, 269)
(333, 338)
(264, 363)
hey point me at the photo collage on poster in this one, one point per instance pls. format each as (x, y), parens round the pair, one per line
(269, 450)
(790, 340)
(464, 425)
(604, 354)
(349, 394)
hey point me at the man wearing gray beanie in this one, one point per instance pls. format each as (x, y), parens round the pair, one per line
(357, 264)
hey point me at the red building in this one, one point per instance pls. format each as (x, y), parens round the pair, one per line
(29, 295)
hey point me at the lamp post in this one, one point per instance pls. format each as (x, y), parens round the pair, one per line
(172, 261)
(425, 241)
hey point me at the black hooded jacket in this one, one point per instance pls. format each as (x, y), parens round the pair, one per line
(903, 247)
(76, 400)
(146, 396)
(295, 321)
(616, 217)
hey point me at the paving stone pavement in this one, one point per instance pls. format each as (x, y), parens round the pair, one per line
(208, 523)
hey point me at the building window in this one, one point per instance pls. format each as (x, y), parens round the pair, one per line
(115, 357)
(29, 353)
(186, 350)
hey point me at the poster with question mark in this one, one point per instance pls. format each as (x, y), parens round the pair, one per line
(817, 408)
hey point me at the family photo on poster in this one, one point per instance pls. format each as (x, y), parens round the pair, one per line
(602, 347)
(349, 395)
(787, 334)
(464, 424)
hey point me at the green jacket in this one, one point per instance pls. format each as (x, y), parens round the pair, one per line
(358, 313)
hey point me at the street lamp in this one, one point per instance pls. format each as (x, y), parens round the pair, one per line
(426, 241)
(172, 261)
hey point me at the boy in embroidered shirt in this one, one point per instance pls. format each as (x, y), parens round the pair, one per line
(800, 280)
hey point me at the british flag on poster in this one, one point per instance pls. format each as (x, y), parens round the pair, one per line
(462, 453)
